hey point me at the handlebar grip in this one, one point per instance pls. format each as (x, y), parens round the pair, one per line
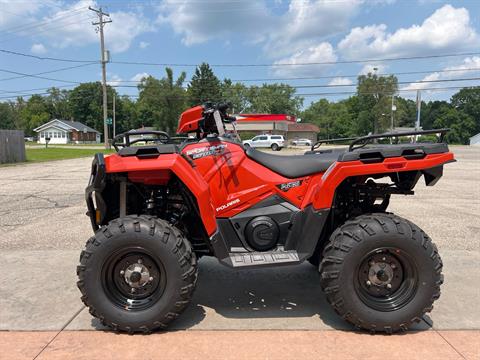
(230, 119)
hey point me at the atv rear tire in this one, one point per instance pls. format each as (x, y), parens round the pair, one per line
(381, 272)
(137, 274)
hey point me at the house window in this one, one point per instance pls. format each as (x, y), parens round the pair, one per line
(42, 134)
(63, 134)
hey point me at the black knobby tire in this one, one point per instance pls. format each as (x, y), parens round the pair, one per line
(371, 242)
(166, 256)
(275, 147)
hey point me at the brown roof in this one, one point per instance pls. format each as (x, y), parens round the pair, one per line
(303, 127)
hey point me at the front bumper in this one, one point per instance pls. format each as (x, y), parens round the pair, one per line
(93, 193)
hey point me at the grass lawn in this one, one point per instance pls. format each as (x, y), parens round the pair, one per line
(36, 155)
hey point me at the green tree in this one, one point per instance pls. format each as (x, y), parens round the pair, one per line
(461, 125)
(236, 94)
(57, 103)
(126, 114)
(274, 99)
(204, 86)
(467, 100)
(431, 111)
(406, 113)
(8, 115)
(86, 104)
(375, 96)
(34, 113)
(161, 101)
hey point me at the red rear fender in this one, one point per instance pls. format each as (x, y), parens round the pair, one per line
(338, 172)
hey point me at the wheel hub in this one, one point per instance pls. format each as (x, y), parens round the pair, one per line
(137, 275)
(380, 274)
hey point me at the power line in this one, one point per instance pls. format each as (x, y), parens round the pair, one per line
(38, 77)
(34, 24)
(46, 57)
(249, 65)
(336, 76)
(299, 64)
(47, 72)
(306, 94)
(44, 30)
(37, 89)
(292, 86)
(356, 75)
(349, 85)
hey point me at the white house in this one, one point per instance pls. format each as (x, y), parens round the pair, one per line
(475, 139)
(67, 131)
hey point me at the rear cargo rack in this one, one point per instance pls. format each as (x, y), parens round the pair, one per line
(360, 142)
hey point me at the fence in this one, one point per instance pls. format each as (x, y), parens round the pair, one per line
(12, 146)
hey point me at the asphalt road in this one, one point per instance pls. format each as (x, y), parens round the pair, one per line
(43, 228)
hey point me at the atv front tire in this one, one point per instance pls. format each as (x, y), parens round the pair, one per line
(137, 274)
(381, 272)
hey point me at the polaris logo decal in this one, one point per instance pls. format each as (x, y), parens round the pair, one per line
(289, 185)
(206, 151)
(227, 205)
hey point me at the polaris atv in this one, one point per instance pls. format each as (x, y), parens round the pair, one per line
(161, 203)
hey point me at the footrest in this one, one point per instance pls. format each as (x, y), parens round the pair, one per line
(264, 258)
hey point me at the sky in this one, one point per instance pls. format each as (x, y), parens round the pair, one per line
(343, 38)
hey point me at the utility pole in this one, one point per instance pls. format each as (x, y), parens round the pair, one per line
(101, 22)
(393, 109)
(419, 108)
(113, 130)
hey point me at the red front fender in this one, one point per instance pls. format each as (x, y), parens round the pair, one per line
(156, 170)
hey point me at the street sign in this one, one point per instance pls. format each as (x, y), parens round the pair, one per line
(109, 121)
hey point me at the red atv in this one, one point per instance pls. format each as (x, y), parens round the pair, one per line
(156, 208)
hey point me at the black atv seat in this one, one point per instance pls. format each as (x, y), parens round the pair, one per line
(293, 166)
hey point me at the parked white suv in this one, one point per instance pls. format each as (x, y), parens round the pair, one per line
(275, 142)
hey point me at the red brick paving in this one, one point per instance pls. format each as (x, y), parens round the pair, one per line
(224, 345)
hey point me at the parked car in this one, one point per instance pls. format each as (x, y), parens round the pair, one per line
(275, 142)
(29, 138)
(306, 142)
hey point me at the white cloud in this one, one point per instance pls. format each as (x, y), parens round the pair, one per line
(373, 68)
(197, 23)
(450, 72)
(315, 54)
(139, 76)
(340, 81)
(66, 24)
(113, 79)
(307, 22)
(38, 49)
(447, 29)
(296, 35)
(14, 11)
(304, 24)
(143, 44)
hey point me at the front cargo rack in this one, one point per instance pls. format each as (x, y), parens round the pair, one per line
(145, 136)
(360, 142)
